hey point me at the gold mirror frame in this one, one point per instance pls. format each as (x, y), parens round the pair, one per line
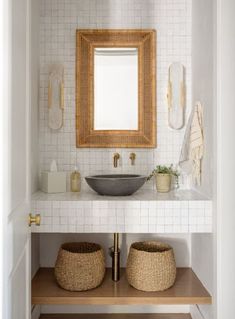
(86, 42)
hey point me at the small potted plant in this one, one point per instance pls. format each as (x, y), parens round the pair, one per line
(163, 176)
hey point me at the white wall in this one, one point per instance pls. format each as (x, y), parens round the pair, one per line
(58, 22)
(226, 158)
(3, 133)
(203, 81)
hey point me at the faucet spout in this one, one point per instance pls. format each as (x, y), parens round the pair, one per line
(116, 157)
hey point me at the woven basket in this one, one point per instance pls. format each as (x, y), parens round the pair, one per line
(80, 266)
(151, 266)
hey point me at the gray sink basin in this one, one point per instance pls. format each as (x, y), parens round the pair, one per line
(116, 184)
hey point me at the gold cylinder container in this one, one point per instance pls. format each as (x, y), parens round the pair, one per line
(75, 181)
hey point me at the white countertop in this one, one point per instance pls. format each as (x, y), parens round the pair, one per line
(142, 195)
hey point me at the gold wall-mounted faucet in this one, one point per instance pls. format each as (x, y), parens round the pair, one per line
(116, 157)
(132, 158)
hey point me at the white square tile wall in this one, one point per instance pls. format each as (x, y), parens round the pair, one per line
(58, 21)
(176, 216)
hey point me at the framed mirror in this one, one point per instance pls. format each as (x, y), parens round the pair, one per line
(115, 88)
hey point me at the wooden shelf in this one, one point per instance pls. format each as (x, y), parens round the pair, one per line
(118, 316)
(187, 290)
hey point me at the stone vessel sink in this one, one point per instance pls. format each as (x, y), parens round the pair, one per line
(116, 184)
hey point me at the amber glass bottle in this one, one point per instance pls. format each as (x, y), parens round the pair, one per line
(75, 181)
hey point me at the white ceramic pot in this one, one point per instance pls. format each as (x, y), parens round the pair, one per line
(163, 182)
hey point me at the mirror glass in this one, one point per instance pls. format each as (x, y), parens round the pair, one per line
(116, 88)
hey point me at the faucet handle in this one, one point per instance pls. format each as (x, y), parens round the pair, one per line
(117, 155)
(132, 158)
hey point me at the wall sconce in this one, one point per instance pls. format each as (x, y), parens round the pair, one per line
(176, 96)
(56, 97)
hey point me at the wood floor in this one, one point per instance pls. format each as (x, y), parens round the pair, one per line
(187, 290)
(117, 316)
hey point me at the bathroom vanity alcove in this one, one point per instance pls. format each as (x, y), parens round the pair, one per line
(184, 218)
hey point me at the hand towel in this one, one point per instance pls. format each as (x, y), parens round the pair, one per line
(193, 145)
